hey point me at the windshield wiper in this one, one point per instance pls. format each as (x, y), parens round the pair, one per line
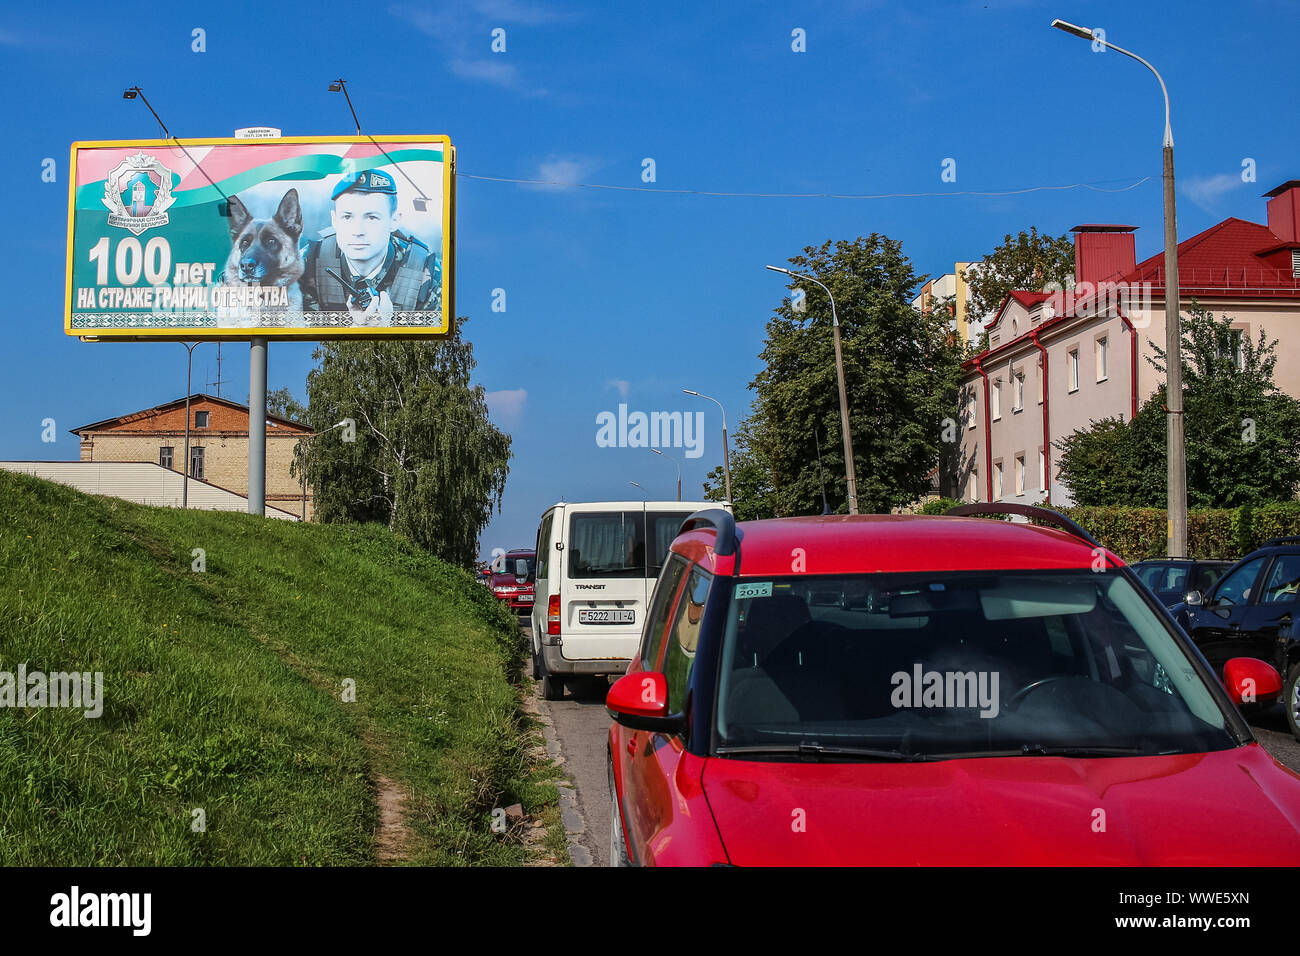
(814, 750)
(1039, 750)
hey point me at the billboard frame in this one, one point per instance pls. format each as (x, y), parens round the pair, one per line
(277, 334)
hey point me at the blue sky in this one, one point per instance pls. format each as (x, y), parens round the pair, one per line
(629, 296)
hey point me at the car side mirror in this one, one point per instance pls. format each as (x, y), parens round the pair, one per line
(1251, 681)
(1193, 599)
(640, 701)
(521, 568)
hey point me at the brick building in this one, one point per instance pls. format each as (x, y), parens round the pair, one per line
(218, 446)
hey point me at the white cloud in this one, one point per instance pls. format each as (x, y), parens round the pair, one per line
(1207, 191)
(513, 11)
(497, 72)
(622, 385)
(507, 405)
(565, 170)
(463, 33)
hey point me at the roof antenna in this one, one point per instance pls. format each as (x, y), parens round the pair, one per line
(826, 505)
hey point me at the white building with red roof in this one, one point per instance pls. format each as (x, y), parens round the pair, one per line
(1059, 360)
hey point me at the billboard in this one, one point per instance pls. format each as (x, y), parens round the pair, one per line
(290, 238)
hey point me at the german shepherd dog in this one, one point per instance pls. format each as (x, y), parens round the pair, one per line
(264, 252)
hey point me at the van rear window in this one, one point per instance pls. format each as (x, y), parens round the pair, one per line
(612, 544)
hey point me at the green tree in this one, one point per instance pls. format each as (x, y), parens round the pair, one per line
(1101, 465)
(1242, 433)
(1028, 261)
(282, 404)
(751, 486)
(425, 461)
(901, 370)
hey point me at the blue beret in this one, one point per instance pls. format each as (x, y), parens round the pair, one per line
(366, 181)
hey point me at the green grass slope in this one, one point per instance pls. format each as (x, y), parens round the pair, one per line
(224, 691)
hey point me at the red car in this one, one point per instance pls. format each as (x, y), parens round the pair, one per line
(905, 690)
(514, 582)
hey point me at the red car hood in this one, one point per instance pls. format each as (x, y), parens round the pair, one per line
(1231, 807)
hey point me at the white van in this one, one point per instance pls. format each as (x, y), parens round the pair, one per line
(595, 575)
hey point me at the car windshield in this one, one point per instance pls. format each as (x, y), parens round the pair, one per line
(957, 664)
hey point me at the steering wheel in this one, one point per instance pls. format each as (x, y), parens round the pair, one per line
(1024, 692)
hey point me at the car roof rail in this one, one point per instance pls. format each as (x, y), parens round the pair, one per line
(721, 520)
(1045, 515)
(1284, 539)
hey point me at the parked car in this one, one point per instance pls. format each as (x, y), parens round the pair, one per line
(597, 563)
(914, 690)
(1250, 612)
(513, 583)
(1171, 579)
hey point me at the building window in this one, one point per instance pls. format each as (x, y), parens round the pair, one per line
(1020, 474)
(1236, 348)
(997, 480)
(973, 486)
(1042, 471)
(997, 399)
(974, 410)
(1074, 370)
(1101, 359)
(1040, 381)
(1019, 395)
(165, 455)
(196, 462)
(201, 419)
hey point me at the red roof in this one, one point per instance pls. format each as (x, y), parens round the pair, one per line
(1027, 299)
(1224, 260)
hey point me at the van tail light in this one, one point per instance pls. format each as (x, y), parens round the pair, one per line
(553, 614)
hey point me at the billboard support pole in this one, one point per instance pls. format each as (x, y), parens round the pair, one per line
(257, 426)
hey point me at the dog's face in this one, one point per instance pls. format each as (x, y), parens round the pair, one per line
(265, 251)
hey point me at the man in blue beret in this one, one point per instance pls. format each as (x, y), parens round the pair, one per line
(365, 264)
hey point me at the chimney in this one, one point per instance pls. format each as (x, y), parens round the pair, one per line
(1284, 211)
(1103, 252)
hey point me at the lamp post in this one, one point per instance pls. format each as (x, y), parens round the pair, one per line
(726, 455)
(1177, 448)
(640, 489)
(679, 470)
(850, 473)
(185, 475)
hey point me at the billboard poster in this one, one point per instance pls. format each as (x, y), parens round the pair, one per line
(289, 238)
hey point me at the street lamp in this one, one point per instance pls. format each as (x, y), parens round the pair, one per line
(850, 473)
(726, 456)
(679, 470)
(1177, 449)
(640, 489)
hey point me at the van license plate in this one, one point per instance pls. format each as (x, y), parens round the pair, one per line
(601, 616)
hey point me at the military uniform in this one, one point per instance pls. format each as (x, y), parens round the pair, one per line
(410, 274)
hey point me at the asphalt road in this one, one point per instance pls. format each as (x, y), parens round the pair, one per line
(1274, 735)
(581, 725)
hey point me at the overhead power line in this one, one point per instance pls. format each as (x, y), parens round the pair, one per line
(1095, 187)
